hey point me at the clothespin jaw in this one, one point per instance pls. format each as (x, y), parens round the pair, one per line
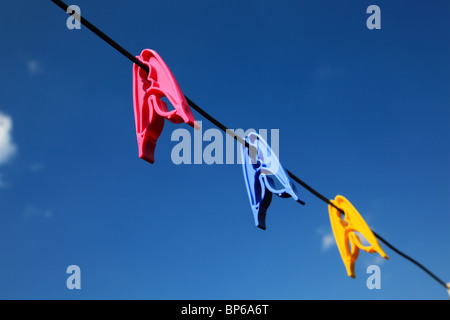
(150, 110)
(260, 170)
(344, 230)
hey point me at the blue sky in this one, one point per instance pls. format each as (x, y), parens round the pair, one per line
(362, 113)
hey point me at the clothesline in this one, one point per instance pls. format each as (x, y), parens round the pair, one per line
(224, 128)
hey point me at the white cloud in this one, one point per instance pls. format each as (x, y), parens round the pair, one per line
(327, 241)
(377, 259)
(327, 238)
(7, 148)
(34, 67)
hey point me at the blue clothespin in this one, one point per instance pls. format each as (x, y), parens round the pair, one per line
(261, 169)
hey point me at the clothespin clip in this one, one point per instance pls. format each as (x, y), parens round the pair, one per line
(344, 233)
(149, 108)
(261, 169)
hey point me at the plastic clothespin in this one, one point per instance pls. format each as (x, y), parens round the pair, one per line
(149, 108)
(344, 233)
(260, 170)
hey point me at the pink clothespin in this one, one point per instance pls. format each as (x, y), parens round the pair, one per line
(149, 108)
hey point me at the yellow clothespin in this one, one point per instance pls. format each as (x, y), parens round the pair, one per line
(344, 233)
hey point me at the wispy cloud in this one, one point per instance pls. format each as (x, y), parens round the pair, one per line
(32, 211)
(36, 167)
(327, 238)
(327, 241)
(377, 259)
(34, 67)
